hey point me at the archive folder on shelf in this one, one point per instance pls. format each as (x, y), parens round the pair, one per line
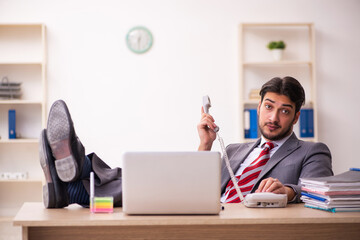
(306, 123)
(250, 123)
(12, 124)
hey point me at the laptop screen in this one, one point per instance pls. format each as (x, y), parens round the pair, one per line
(171, 182)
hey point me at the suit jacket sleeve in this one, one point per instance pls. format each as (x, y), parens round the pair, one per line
(295, 159)
(316, 163)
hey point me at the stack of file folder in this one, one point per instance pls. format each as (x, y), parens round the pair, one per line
(9, 90)
(339, 193)
(250, 123)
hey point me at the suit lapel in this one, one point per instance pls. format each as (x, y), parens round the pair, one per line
(236, 159)
(286, 149)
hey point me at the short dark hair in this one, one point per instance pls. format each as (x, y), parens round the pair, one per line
(287, 86)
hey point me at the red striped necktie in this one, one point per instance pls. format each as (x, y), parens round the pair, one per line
(249, 176)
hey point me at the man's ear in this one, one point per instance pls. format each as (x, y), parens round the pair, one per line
(296, 118)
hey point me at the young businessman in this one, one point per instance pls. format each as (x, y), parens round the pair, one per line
(276, 170)
(67, 168)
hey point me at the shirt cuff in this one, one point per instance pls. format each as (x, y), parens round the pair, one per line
(296, 193)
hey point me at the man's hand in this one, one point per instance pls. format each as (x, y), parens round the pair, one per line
(206, 131)
(275, 186)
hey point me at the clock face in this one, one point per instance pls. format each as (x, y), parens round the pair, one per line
(139, 39)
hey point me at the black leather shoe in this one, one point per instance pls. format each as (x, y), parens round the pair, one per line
(54, 191)
(67, 149)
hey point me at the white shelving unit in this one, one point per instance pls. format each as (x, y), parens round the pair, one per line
(257, 65)
(22, 59)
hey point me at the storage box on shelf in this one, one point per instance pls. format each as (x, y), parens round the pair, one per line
(23, 64)
(258, 66)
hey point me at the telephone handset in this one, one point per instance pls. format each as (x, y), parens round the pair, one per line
(206, 103)
(252, 199)
(206, 106)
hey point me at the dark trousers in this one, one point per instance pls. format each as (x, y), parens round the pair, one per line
(107, 180)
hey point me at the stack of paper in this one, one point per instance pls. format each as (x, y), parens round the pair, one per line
(339, 193)
(9, 90)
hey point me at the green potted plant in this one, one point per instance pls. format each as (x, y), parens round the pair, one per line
(277, 48)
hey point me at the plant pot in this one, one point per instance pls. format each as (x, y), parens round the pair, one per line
(277, 54)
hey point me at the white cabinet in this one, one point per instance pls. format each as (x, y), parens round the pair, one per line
(258, 66)
(22, 60)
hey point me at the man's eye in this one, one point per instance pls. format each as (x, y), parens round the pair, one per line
(267, 106)
(284, 111)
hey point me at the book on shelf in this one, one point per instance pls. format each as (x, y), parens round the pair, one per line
(333, 193)
(12, 124)
(254, 95)
(306, 122)
(250, 123)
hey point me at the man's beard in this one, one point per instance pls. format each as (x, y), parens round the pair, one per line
(280, 136)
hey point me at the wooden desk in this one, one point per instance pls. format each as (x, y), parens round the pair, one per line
(235, 222)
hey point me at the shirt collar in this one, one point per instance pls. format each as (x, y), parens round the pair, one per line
(276, 143)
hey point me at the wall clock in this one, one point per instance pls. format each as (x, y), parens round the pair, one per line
(139, 39)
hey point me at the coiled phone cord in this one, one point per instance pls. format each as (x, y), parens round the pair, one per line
(227, 162)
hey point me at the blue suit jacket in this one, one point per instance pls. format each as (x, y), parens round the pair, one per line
(295, 159)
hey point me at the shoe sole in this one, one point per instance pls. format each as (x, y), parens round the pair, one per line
(59, 133)
(48, 200)
(48, 189)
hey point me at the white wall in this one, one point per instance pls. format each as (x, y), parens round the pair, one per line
(121, 101)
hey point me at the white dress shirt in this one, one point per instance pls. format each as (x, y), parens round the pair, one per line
(254, 154)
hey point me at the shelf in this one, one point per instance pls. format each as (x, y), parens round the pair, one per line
(21, 63)
(17, 101)
(22, 25)
(21, 181)
(251, 102)
(277, 24)
(20, 140)
(279, 63)
(6, 219)
(22, 60)
(257, 64)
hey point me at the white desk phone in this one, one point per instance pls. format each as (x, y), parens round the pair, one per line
(271, 200)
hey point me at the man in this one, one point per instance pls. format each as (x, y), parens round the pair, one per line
(276, 170)
(67, 168)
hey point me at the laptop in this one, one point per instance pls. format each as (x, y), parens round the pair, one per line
(171, 182)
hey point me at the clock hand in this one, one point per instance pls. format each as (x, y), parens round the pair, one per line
(138, 42)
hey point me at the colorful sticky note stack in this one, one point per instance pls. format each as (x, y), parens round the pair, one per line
(102, 205)
(99, 204)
